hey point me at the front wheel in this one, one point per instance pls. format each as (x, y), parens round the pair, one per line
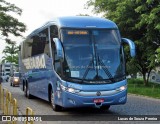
(54, 106)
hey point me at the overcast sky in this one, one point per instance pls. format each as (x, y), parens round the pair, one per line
(37, 12)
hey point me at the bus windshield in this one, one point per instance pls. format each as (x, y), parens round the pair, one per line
(92, 55)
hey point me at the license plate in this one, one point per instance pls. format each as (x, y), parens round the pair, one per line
(98, 100)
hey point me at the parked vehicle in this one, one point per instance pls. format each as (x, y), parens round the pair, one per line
(14, 79)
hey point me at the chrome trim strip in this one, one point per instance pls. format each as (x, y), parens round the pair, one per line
(103, 93)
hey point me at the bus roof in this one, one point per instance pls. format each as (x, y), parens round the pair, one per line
(78, 22)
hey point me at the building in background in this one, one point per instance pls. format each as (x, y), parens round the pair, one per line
(7, 69)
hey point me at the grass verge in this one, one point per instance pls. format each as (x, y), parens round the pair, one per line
(136, 86)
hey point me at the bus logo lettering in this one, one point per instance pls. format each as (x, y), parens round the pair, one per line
(35, 62)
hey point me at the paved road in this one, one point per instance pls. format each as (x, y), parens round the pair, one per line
(136, 105)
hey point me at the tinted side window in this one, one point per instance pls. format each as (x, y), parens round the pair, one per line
(54, 32)
(40, 43)
(26, 48)
(57, 63)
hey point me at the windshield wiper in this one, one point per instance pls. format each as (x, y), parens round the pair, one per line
(81, 80)
(100, 62)
(87, 70)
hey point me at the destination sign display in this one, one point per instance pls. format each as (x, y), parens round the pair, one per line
(77, 32)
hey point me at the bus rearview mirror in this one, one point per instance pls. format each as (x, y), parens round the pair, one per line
(59, 49)
(131, 46)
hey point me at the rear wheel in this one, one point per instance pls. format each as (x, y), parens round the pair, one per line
(27, 92)
(52, 100)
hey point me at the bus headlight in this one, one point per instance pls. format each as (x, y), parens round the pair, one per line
(63, 87)
(122, 88)
(69, 89)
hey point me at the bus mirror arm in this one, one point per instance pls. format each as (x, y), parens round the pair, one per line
(131, 45)
(59, 49)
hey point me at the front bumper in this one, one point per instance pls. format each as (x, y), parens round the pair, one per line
(70, 100)
(16, 82)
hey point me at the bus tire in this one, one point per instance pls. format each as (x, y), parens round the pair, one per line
(27, 92)
(106, 107)
(54, 106)
(23, 86)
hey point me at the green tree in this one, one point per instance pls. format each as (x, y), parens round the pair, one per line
(139, 21)
(131, 70)
(12, 59)
(9, 24)
(10, 53)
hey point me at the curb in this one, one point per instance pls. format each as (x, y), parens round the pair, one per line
(142, 96)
